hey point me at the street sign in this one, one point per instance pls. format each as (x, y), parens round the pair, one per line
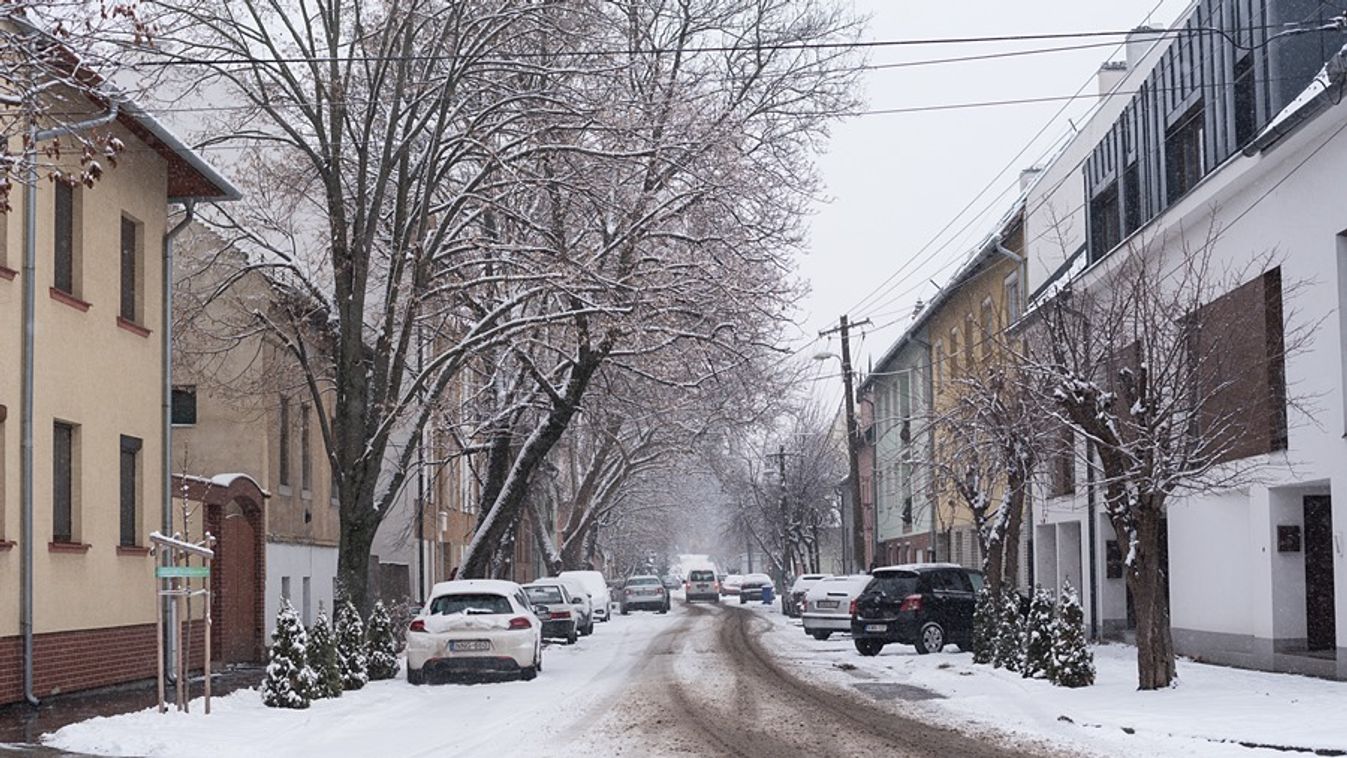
(182, 572)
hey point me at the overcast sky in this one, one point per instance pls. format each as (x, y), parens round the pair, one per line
(895, 180)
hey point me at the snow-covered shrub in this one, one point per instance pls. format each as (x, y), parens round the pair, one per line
(1073, 663)
(1038, 636)
(382, 648)
(322, 658)
(289, 681)
(1008, 647)
(985, 620)
(351, 647)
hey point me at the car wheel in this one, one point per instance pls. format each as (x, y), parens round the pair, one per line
(869, 647)
(415, 676)
(742, 600)
(821, 636)
(931, 639)
(528, 673)
(573, 637)
(625, 612)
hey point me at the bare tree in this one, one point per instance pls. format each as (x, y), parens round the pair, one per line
(1173, 371)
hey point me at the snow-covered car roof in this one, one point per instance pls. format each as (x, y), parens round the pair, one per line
(918, 567)
(461, 586)
(757, 578)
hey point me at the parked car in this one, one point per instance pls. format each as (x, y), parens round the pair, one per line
(643, 592)
(596, 586)
(927, 605)
(730, 585)
(792, 600)
(475, 626)
(701, 585)
(584, 605)
(826, 607)
(556, 608)
(671, 582)
(752, 586)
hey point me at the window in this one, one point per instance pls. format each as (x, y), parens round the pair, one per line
(938, 363)
(64, 230)
(184, 405)
(305, 459)
(1062, 480)
(131, 270)
(988, 327)
(1246, 101)
(285, 588)
(130, 490)
(283, 465)
(1105, 222)
(1010, 289)
(3, 414)
(1184, 153)
(958, 547)
(63, 483)
(953, 352)
(969, 337)
(906, 473)
(1131, 199)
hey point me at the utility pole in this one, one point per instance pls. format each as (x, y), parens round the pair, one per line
(785, 510)
(853, 445)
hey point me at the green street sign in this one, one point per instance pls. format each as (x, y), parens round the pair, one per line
(182, 572)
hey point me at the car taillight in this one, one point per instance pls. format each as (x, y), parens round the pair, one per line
(910, 603)
(417, 626)
(560, 615)
(520, 622)
(852, 608)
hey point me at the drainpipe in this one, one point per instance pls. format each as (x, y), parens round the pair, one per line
(35, 136)
(1094, 539)
(166, 413)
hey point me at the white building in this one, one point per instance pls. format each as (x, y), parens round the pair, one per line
(1190, 140)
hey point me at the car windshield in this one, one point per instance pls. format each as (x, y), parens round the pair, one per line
(641, 580)
(471, 604)
(702, 576)
(894, 584)
(544, 594)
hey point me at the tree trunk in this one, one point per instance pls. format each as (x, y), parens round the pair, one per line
(1010, 551)
(1150, 597)
(353, 554)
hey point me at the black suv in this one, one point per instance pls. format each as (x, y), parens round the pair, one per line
(928, 605)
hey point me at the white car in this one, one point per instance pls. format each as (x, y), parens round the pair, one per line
(475, 626)
(596, 586)
(792, 600)
(827, 605)
(578, 591)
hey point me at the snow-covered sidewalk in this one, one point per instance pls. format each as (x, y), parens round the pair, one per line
(1214, 710)
(394, 717)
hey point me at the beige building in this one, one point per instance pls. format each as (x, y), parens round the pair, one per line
(97, 414)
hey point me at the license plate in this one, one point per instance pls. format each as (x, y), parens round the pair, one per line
(469, 646)
(829, 603)
(876, 627)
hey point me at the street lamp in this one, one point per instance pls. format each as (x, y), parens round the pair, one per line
(853, 459)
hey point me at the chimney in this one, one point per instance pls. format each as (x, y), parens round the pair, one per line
(1139, 40)
(1028, 175)
(1110, 74)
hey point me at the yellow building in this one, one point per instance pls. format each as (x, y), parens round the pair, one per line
(965, 324)
(97, 476)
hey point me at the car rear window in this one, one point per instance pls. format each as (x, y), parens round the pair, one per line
(470, 603)
(894, 584)
(640, 580)
(702, 576)
(544, 594)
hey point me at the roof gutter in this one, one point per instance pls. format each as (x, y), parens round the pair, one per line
(1331, 78)
(26, 407)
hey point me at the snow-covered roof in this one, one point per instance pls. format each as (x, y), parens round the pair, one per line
(224, 481)
(915, 567)
(461, 586)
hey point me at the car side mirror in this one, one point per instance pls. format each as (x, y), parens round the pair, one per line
(578, 601)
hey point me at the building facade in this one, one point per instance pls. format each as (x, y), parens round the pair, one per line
(97, 478)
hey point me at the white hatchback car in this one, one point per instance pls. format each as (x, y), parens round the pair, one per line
(827, 605)
(475, 626)
(596, 586)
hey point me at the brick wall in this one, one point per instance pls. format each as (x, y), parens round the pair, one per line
(85, 659)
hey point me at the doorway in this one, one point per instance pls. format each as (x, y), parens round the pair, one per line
(238, 590)
(1320, 606)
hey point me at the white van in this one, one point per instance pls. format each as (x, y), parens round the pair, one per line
(596, 586)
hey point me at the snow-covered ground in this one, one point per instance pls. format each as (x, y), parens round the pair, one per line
(392, 717)
(1211, 711)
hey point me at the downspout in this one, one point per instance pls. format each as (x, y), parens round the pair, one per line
(166, 414)
(35, 136)
(1094, 540)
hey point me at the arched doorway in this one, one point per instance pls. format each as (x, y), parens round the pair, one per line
(234, 515)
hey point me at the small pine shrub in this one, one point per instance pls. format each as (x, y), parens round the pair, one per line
(985, 619)
(382, 647)
(322, 657)
(1073, 662)
(1038, 636)
(1008, 647)
(288, 682)
(350, 631)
